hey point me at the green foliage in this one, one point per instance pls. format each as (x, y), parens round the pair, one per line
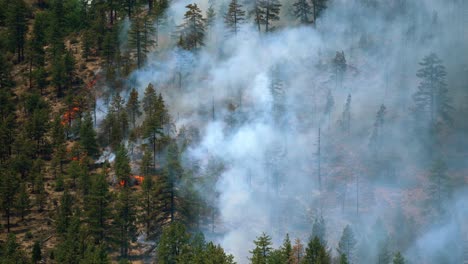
(88, 136)
(319, 230)
(440, 188)
(133, 107)
(12, 252)
(316, 253)
(178, 246)
(16, 21)
(124, 222)
(398, 259)
(432, 99)
(8, 188)
(97, 210)
(262, 250)
(122, 166)
(36, 254)
(347, 243)
(64, 213)
(303, 11)
(235, 16)
(23, 202)
(192, 30)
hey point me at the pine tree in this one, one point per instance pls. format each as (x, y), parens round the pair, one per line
(298, 251)
(347, 243)
(439, 187)
(287, 251)
(64, 213)
(330, 103)
(343, 259)
(156, 119)
(318, 7)
(148, 205)
(319, 230)
(122, 166)
(124, 222)
(270, 10)
(23, 203)
(88, 136)
(345, 121)
(140, 38)
(398, 259)
(133, 107)
(316, 253)
(16, 21)
(234, 17)
(36, 255)
(97, 209)
(210, 17)
(8, 190)
(339, 68)
(174, 241)
(376, 136)
(262, 250)
(432, 99)
(192, 30)
(302, 11)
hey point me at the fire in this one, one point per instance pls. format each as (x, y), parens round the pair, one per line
(69, 115)
(139, 179)
(122, 183)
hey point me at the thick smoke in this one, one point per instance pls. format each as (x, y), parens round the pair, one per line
(260, 99)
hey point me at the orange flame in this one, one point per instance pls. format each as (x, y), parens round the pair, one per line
(139, 179)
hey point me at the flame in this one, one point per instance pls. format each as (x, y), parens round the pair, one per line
(69, 115)
(139, 179)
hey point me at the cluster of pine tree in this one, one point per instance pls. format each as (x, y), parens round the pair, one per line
(49, 142)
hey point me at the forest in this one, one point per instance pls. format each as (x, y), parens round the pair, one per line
(234, 131)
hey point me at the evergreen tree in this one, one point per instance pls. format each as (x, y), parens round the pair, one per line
(23, 203)
(262, 250)
(318, 7)
(339, 68)
(376, 136)
(298, 251)
(432, 99)
(439, 186)
(316, 253)
(148, 202)
(36, 255)
(124, 222)
(8, 190)
(122, 166)
(319, 230)
(12, 252)
(343, 259)
(16, 21)
(97, 209)
(302, 11)
(398, 259)
(345, 121)
(6, 80)
(192, 30)
(156, 119)
(88, 136)
(347, 243)
(64, 213)
(287, 251)
(234, 17)
(140, 38)
(210, 17)
(174, 241)
(133, 107)
(270, 10)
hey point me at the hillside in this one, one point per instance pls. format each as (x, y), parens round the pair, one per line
(262, 131)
